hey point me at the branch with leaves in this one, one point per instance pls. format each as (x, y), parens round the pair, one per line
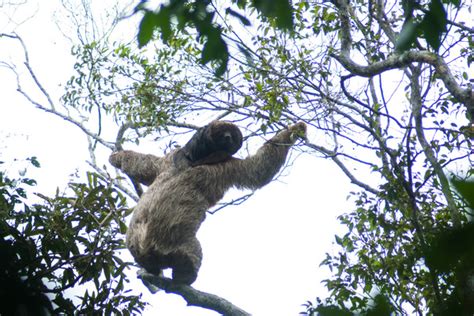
(398, 60)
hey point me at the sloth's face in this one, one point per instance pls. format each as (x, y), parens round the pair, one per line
(227, 137)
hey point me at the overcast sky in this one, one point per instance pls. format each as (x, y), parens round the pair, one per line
(263, 256)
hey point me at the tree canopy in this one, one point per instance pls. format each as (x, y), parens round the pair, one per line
(385, 88)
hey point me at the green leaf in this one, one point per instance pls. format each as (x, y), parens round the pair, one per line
(466, 190)
(381, 307)
(456, 3)
(239, 16)
(30, 182)
(434, 24)
(215, 49)
(163, 22)
(34, 161)
(407, 36)
(107, 272)
(280, 10)
(242, 4)
(146, 28)
(122, 227)
(332, 311)
(449, 247)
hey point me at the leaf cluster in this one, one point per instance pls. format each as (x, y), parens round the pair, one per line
(176, 15)
(101, 84)
(430, 25)
(393, 126)
(62, 254)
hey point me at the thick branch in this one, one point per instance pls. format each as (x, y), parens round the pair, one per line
(192, 296)
(345, 33)
(396, 61)
(430, 154)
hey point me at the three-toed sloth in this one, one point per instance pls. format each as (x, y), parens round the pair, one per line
(184, 184)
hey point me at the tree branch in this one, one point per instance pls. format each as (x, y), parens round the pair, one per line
(192, 296)
(51, 109)
(333, 156)
(234, 202)
(416, 103)
(396, 61)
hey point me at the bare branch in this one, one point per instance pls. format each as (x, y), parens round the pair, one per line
(185, 125)
(66, 118)
(192, 296)
(30, 70)
(236, 201)
(396, 61)
(51, 108)
(333, 156)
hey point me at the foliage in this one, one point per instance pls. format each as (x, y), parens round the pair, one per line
(96, 86)
(449, 255)
(387, 100)
(393, 127)
(430, 25)
(401, 215)
(61, 255)
(379, 307)
(426, 21)
(200, 14)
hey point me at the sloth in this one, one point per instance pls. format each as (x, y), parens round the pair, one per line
(184, 184)
(215, 142)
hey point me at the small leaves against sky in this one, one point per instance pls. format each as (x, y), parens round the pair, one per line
(200, 15)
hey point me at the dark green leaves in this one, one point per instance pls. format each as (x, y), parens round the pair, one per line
(179, 14)
(34, 161)
(466, 190)
(152, 21)
(332, 311)
(434, 23)
(432, 26)
(451, 247)
(146, 28)
(407, 36)
(279, 10)
(451, 252)
(61, 243)
(380, 307)
(216, 49)
(176, 16)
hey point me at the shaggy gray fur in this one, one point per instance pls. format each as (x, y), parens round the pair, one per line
(162, 232)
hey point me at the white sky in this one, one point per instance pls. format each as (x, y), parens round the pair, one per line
(263, 256)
